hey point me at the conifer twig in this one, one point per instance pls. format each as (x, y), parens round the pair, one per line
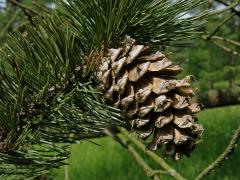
(223, 157)
(146, 168)
(226, 4)
(43, 8)
(228, 50)
(220, 11)
(230, 41)
(154, 156)
(23, 7)
(9, 23)
(219, 26)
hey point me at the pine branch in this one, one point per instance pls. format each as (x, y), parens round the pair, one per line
(9, 23)
(42, 90)
(23, 7)
(223, 157)
(230, 41)
(150, 21)
(31, 162)
(226, 4)
(48, 88)
(41, 7)
(220, 11)
(37, 85)
(219, 98)
(227, 49)
(153, 156)
(131, 150)
(219, 27)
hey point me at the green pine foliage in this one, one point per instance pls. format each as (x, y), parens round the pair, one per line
(49, 97)
(152, 22)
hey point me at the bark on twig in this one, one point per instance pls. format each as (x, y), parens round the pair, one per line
(230, 41)
(153, 156)
(228, 50)
(219, 26)
(219, 98)
(223, 157)
(131, 150)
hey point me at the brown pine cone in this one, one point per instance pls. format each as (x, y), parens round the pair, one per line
(144, 86)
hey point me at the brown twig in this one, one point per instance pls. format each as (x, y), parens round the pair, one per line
(154, 156)
(228, 50)
(230, 41)
(219, 26)
(131, 150)
(223, 157)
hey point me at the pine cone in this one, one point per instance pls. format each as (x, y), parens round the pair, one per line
(143, 85)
